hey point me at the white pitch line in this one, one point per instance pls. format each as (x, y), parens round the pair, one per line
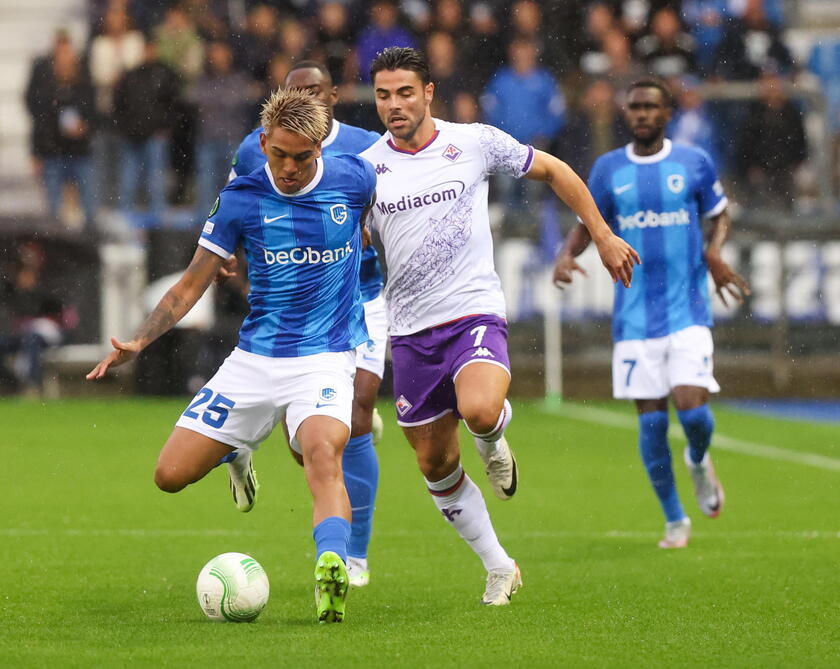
(124, 532)
(540, 534)
(721, 441)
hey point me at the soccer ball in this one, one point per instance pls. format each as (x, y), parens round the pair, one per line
(232, 587)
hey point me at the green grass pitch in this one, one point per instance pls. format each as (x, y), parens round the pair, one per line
(99, 567)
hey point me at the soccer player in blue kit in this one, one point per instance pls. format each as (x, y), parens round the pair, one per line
(300, 222)
(360, 464)
(655, 195)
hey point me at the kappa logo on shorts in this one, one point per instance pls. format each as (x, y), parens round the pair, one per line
(328, 394)
(403, 405)
(482, 352)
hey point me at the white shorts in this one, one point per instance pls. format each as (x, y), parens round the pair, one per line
(371, 355)
(250, 394)
(647, 369)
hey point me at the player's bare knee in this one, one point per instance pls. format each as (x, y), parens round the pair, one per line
(435, 467)
(169, 479)
(480, 418)
(322, 459)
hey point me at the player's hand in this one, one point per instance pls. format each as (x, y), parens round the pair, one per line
(367, 240)
(563, 268)
(122, 353)
(618, 257)
(727, 280)
(227, 270)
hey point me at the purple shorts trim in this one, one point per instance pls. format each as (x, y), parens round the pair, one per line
(427, 362)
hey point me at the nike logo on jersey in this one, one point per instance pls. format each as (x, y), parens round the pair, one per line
(623, 189)
(327, 404)
(276, 218)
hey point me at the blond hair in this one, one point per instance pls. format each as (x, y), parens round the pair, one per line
(295, 110)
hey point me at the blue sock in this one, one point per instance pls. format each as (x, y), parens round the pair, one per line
(332, 534)
(656, 456)
(698, 424)
(230, 457)
(361, 478)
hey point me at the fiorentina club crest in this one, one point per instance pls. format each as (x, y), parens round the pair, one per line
(452, 152)
(403, 405)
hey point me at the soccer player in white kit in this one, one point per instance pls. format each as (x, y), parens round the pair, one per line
(446, 310)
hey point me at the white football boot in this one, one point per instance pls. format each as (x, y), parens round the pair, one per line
(500, 466)
(243, 481)
(377, 427)
(358, 572)
(501, 586)
(676, 534)
(707, 488)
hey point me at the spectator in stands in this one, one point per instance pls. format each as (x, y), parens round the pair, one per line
(112, 53)
(772, 145)
(60, 99)
(254, 48)
(333, 39)
(622, 69)
(33, 318)
(667, 51)
(223, 118)
(526, 20)
(705, 20)
(382, 31)
(294, 39)
(181, 48)
(448, 16)
(600, 21)
(465, 108)
(144, 100)
(514, 92)
(517, 89)
(481, 47)
(692, 122)
(179, 45)
(442, 54)
(594, 127)
(751, 45)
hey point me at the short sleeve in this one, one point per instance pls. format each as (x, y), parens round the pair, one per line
(248, 156)
(369, 181)
(502, 153)
(711, 199)
(599, 184)
(222, 230)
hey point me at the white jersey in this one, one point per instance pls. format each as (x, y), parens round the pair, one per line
(431, 214)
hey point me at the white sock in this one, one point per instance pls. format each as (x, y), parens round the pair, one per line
(462, 504)
(487, 442)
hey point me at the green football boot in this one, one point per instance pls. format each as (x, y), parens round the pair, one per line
(330, 587)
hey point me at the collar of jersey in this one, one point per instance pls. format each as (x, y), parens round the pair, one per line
(330, 138)
(319, 172)
(646, 160)
(414, 153)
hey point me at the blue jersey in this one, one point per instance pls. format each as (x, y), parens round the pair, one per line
(303, 252)
(343, 138)
(657, 203)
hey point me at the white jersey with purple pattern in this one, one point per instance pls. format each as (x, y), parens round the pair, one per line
(431, 214)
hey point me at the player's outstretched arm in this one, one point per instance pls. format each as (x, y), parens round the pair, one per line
(616, 254)
(172, 307)
(727, 280)
(576, 243)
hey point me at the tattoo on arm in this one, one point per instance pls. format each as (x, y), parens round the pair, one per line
(179, 299)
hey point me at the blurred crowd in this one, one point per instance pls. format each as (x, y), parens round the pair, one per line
(145, 118)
